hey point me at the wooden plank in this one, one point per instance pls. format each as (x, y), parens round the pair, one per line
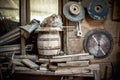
(90, 74)
(10, 33)
(85, 57)
(77, 70)
(42, 72)
(31, 57)
(72, 58)
(38, 72)
(43, 60)
(17, 63)
(6, 55)
(12, 40)
(70, 71)
(9, 38)
(23, 51)
(44, 65)
(52, 67)
(43, 68)
(61, 59)
(22, 68)
(30, 64)
(72, 55)
(9, 48)
(74, 63)
(14, 45)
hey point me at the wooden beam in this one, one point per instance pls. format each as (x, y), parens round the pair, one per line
(72, 55)
(77, 70)
(23, 12)
(31, 57)
(23, 18)
(28, 11)
(30, 64)
(74, 64)
(60, 59)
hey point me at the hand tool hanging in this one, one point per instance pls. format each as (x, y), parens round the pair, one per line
(79, 30)
(74, 11)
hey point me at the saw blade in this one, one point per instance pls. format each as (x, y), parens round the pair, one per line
(98, 42)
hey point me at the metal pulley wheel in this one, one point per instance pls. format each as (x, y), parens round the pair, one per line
(98, 42)
(98, 9)
(74, 11)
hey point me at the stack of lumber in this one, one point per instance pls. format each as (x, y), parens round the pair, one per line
(14, 48)
(62, 65)
(6, 53)
(70, 64)
(10, 36)
(25, 61)
(11, 48)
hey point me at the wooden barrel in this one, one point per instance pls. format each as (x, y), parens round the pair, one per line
(49, 43)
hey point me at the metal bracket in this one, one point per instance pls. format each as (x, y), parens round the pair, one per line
(79, 31)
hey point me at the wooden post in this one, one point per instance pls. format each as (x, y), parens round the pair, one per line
(96, 75)
(27, 11)
(22, 22)
(24, 19)
(23, 12)
(23, 51)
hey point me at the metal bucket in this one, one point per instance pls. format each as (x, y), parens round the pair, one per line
(48, 43)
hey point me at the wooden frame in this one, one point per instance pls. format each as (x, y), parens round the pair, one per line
(116, 10)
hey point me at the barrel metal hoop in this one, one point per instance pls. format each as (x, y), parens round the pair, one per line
(49, 56)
